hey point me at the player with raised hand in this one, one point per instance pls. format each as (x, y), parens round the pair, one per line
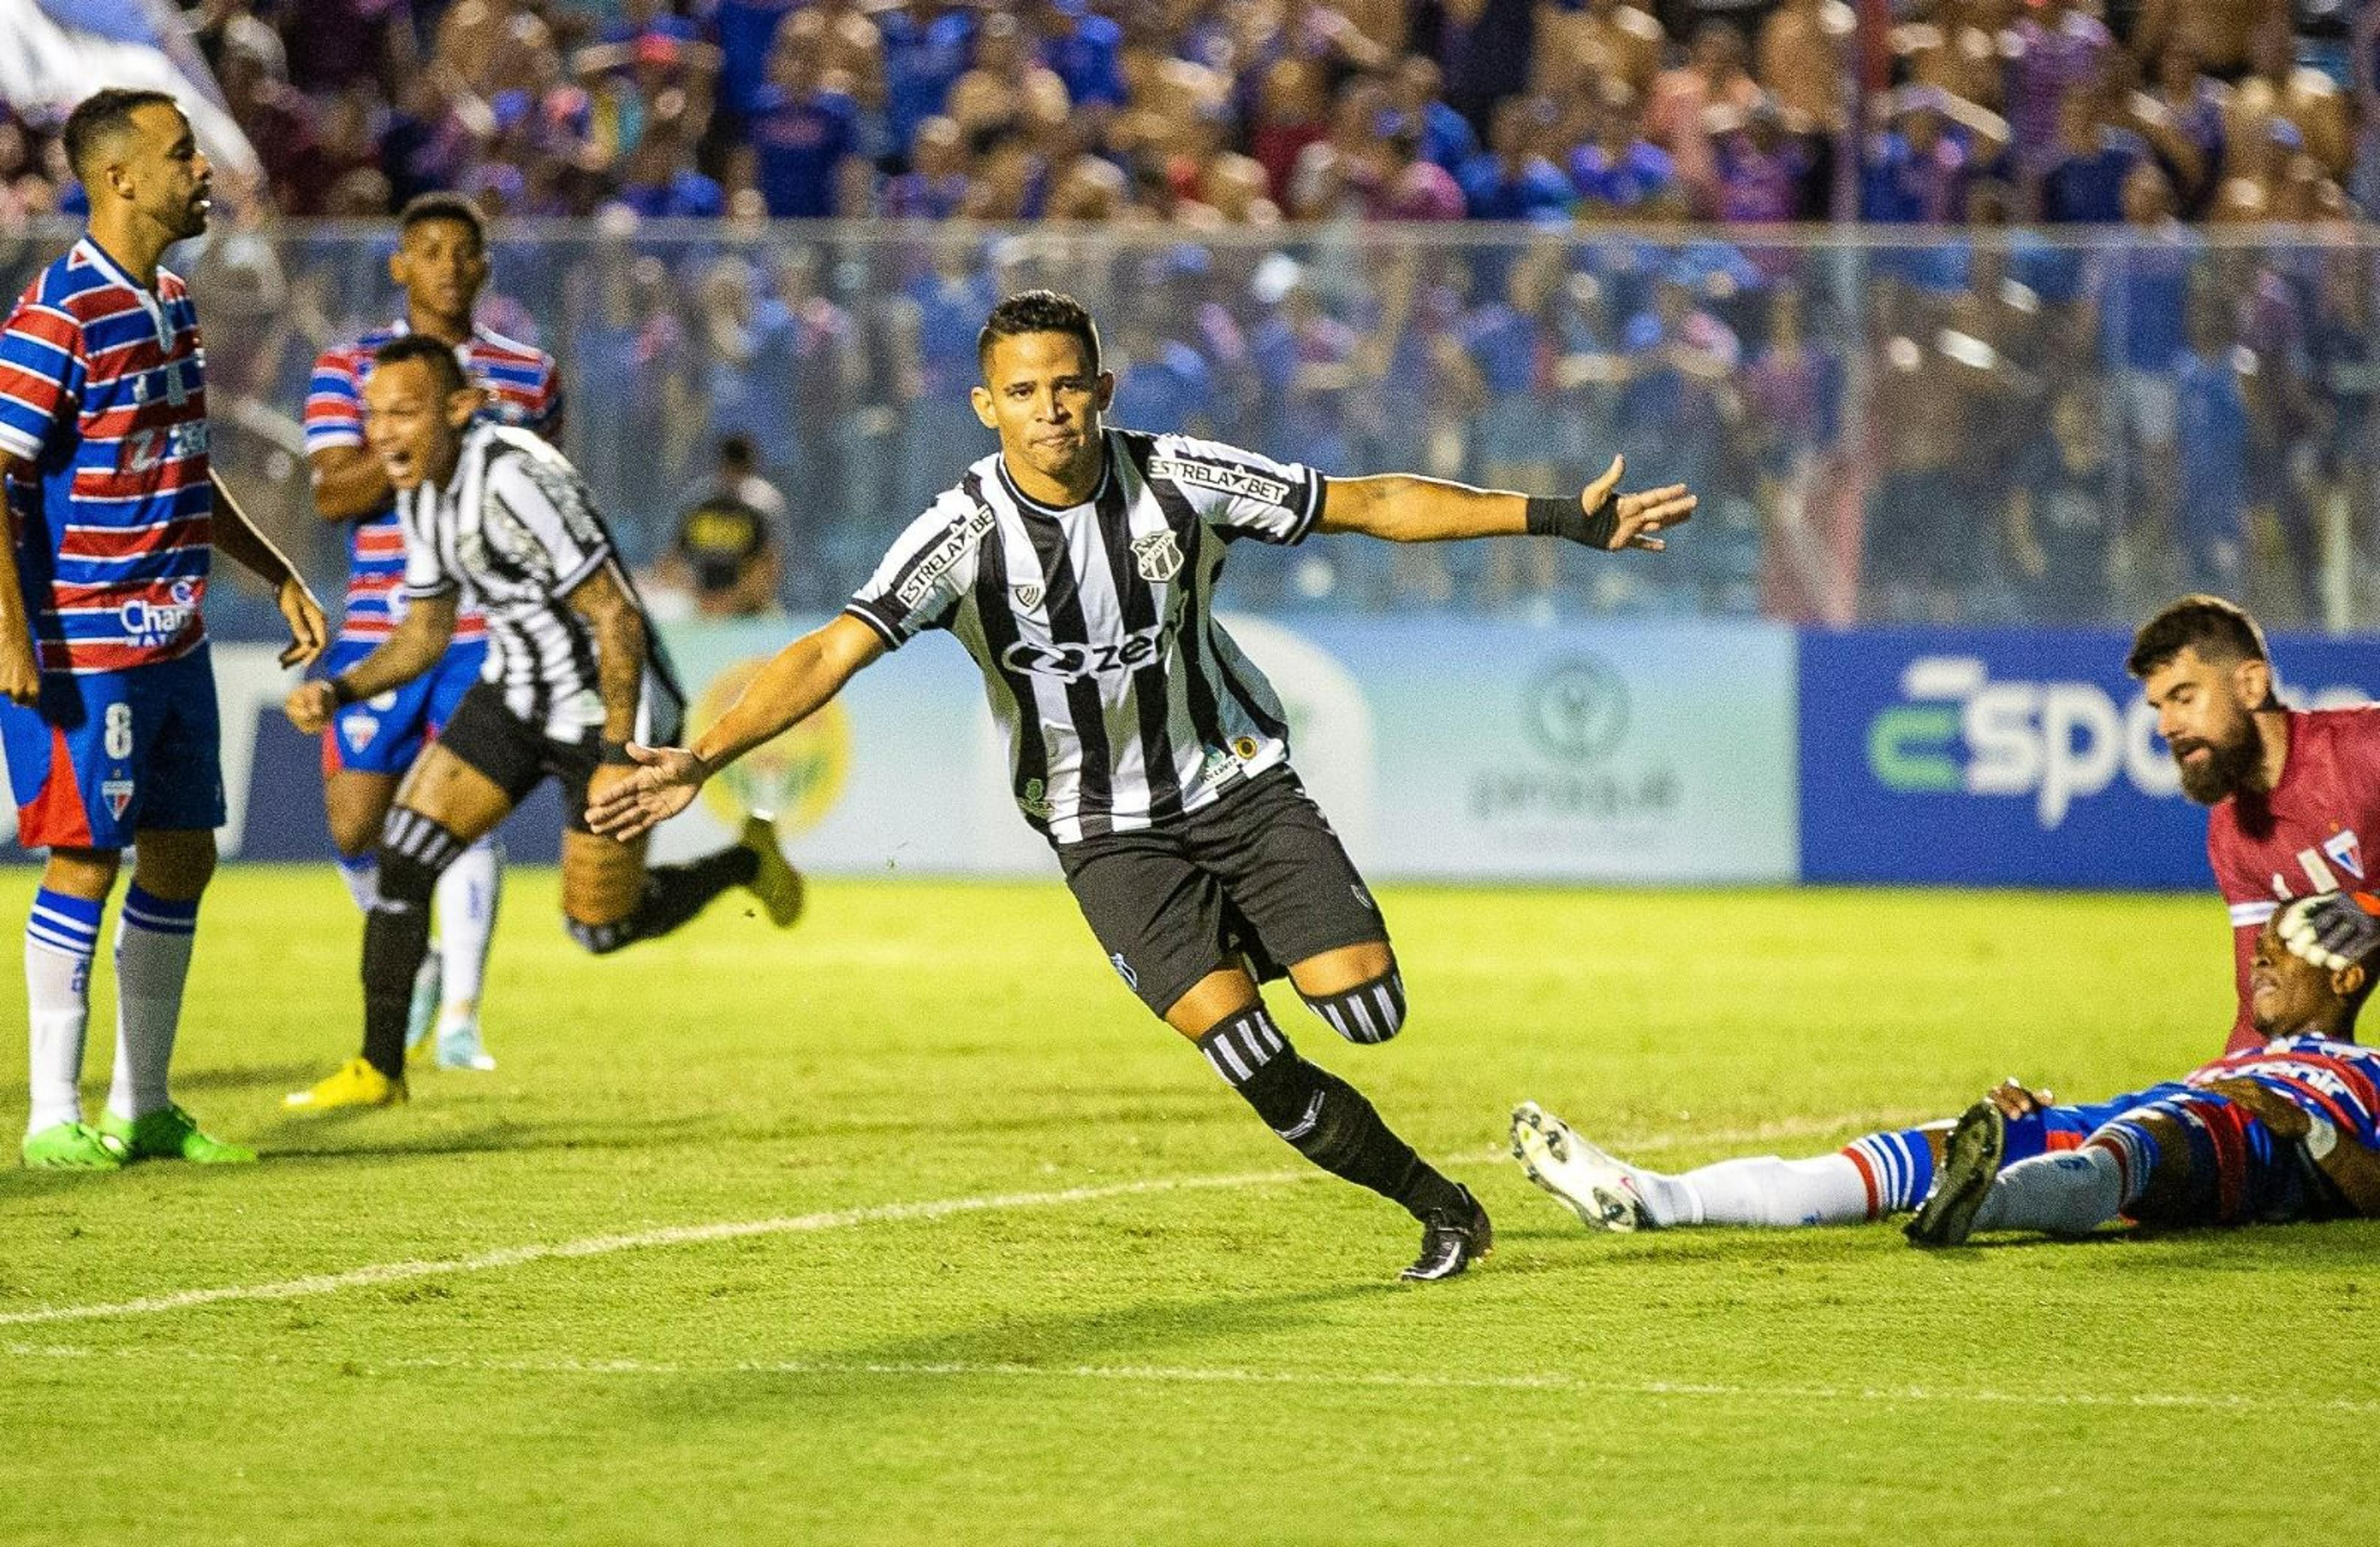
(2291, 792)
(110, 719)
(496, 517)
(439, 266)
(1078, 565)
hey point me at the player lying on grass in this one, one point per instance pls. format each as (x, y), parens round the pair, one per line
(2295, 1000)
(2284, 1132)
(1078, 565)
(494, 515)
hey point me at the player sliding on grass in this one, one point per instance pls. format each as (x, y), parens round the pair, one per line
(1078, 566)
(2284, 1131)
(497, 517)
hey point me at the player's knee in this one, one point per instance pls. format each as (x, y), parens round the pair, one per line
(1372, 1011)
(414, 852)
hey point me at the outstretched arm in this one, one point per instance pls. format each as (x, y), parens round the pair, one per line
(418, 641)
(240, 537)
(1404, 508)
(797, 682)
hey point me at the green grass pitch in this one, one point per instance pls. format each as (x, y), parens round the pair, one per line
(1020, 1270)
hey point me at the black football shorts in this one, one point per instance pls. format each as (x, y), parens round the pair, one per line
(516, 756)
(1259, 874)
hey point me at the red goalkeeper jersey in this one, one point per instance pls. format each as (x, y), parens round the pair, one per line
(2302, 836)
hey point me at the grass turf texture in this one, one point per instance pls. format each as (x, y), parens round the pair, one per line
(1210, 1363)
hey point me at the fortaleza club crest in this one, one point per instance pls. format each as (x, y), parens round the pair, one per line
(117, 793)
(1159, 555)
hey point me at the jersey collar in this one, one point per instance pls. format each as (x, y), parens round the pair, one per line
(104, 261)
(1032, 507)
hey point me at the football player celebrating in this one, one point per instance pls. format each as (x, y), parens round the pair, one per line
(1077, 565)
(440, 265)
(2292, 791)
(2287, 1129)
(496, 517)
(110, 718)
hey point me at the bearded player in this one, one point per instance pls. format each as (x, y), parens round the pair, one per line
(110, 719)
(2292, 792)
(1077, 565)
(439, 266)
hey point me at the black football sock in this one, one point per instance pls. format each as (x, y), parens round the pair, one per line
(1322, 1116)
(674, 893)
(414, 851)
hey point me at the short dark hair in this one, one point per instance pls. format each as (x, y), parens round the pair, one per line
(422, 208)
(2221, 632)
(1039, 311)
(103, 115)
(435, 353)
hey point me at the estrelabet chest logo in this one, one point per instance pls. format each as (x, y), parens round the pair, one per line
(1158, 556)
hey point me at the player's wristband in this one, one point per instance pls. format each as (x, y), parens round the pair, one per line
(342, 694)
(1568, 519)
(615, 755)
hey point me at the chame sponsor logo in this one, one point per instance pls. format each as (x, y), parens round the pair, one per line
(156, 623)
(1958, 732)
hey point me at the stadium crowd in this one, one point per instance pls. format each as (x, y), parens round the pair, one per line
(1283, 209)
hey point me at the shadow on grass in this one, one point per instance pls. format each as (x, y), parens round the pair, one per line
(1207, 1331)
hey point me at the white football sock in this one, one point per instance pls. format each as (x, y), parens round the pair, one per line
(154, 938)
(2069, 1193)
(61, 938)
(1824, 1190)
(362, 876)
(467, 896)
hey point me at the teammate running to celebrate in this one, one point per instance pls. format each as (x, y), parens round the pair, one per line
(2292, 791)
(440, 265)
(110, 718)
(495, 517)
(2285, 1130)
(1077, 566)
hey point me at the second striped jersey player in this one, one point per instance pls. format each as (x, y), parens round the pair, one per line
(440, 266)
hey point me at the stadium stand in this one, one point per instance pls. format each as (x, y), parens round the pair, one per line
(2075, 264)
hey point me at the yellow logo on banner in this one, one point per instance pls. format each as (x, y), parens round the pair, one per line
(799, 777)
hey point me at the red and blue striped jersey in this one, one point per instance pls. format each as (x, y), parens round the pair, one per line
(2338, 1083)
(524, 389)
(103, 397)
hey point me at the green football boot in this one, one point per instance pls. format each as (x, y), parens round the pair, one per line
(73, 1147)
(170, 1133)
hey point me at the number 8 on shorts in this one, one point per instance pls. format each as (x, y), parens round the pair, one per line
(105, 754)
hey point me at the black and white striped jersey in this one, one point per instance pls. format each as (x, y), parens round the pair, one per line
(1124, 703)
(517, 532)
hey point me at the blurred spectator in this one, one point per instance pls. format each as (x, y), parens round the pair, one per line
(1603, 41)
(1804, 60)
(2061, 524)
(2054, 55)
(2213, 431)
(804, 133)
(2218, 33)
(935, 185)
(1443, 135)
(927, 44)
(1513, 180)
(1615, 169)
(1954, 47)
(2083, 181)
(1762, 167)
(1919, 168)
(1677, 117)
(726, 558)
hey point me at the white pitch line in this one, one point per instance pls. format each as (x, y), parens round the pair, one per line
(601, 1245)
(728, 1230)
(1546, 1381)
